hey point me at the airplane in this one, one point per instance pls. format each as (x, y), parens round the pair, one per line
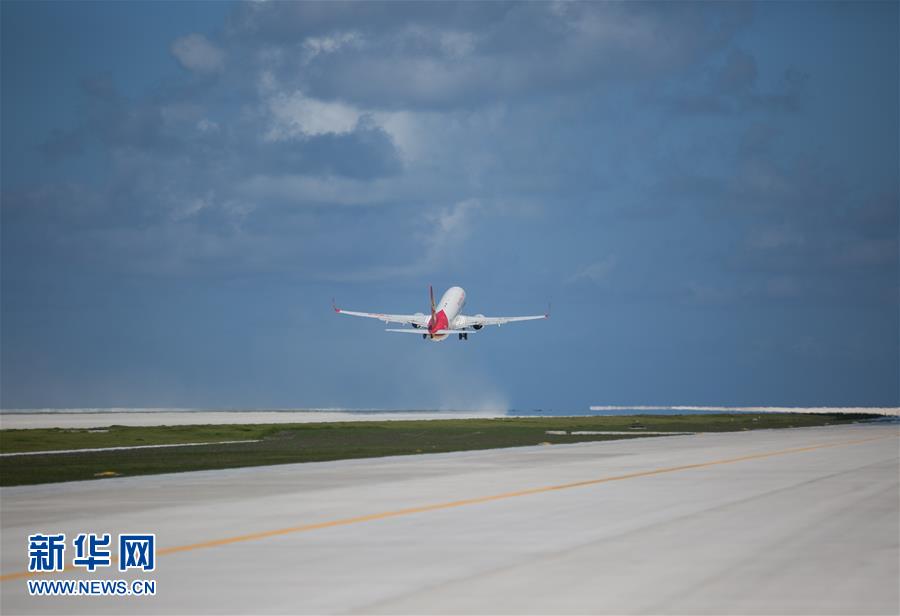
(445, 318)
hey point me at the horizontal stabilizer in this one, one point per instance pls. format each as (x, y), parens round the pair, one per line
(425, 331)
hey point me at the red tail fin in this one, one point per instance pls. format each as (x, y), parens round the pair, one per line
(431, 294)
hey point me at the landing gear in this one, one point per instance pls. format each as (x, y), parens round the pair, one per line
(463, 336)
(424, 336)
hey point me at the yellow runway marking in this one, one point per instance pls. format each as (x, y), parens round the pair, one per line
(471, 501)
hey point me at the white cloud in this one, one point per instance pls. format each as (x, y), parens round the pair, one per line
(266, 84)
(405, 128)
(446, 230)
(457, 44)
(315, 46)
(450, 227)
(597, 272)
(429, 135)
(186, 209)
(296, 114)
(207, 126)
(197, 53)
(191, 207)
(457, 219)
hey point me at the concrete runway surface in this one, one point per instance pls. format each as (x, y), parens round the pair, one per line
(801, 521)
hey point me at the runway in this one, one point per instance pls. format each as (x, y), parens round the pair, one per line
(801, 521)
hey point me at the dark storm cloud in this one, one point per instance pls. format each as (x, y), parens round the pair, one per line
(168, 162)
(733, 87)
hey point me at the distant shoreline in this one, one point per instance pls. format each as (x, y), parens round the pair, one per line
(513, 412)
(877, 410)
(87, 418)
(138, 409)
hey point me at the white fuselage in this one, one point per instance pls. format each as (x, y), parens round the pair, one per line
(446, 311)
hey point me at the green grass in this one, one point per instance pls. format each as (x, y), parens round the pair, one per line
(52, 439)
(308, 442)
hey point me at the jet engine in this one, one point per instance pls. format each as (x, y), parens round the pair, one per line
(478, 326)
(418, 314)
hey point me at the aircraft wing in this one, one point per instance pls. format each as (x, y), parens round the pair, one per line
(420, 320)
(478, 320)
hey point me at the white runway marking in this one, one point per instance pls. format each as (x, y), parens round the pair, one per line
(56, 451)
(619, 432)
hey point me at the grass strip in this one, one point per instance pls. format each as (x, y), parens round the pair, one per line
(309, 442)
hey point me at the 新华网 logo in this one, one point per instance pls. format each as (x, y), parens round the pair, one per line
(46, 551)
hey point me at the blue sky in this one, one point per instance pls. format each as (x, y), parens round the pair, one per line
(708, 193)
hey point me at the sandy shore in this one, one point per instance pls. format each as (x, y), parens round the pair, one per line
(21, 420)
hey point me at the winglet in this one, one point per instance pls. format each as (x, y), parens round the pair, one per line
(334, 306)
(547, 314)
